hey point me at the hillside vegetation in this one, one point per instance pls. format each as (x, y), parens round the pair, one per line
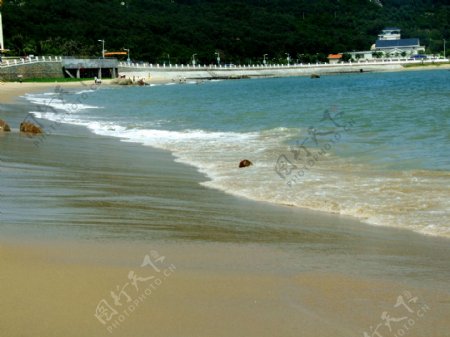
(241, 31)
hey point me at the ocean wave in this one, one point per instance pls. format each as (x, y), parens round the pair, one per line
(52, 103)
(86, 91)
(416, 200)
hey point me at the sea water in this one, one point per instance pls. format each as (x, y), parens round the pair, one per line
(375, 146)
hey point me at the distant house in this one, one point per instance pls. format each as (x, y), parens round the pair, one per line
(334, 58)
(391, 44)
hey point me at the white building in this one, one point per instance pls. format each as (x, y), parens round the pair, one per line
(390, 33)
(390, 44)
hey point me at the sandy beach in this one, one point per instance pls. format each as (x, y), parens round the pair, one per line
(105, 238)
(204, 290)
(9, 91)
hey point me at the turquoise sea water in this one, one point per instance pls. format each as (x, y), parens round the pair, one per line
(373, 146)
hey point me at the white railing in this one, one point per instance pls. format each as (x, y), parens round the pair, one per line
(29, 60)
(39, 59)
(392, 61)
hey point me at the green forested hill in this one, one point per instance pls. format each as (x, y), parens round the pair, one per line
(241, 30)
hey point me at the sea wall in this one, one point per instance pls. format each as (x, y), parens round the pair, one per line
(189, 73)
(31, 70)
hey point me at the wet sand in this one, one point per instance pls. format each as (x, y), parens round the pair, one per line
(80, 212)
(201, 290)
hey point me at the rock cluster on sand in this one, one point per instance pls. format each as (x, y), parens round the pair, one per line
(128, 81)
(4, 127)
(24, 127)
(30, 128)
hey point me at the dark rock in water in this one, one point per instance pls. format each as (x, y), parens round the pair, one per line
(315, 76)
(4, 126)
(245, 163)
(30, 128)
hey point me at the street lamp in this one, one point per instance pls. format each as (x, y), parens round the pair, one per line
(288, 58)
(264, 59)
(444, 48)
(218, 58)
(128, 53)
(193, 59)
(103, 47)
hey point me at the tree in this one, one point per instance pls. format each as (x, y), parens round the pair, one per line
(377, 54)
(346, 57)
(243, 29)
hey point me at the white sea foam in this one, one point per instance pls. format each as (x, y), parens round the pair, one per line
(52, 104)
(415, 200)
(87, 91)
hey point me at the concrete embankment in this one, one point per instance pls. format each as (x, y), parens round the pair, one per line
(59, 67)
(177, 74)
(31, 70)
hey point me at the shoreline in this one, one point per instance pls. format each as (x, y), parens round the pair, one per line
(10, 91)
(15, 90)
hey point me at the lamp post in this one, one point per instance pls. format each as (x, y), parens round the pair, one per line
(103, 47)
(218, 58)
(264, 59)
(128, 55)
(101, 63)
(444, 48)
(193, 60)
